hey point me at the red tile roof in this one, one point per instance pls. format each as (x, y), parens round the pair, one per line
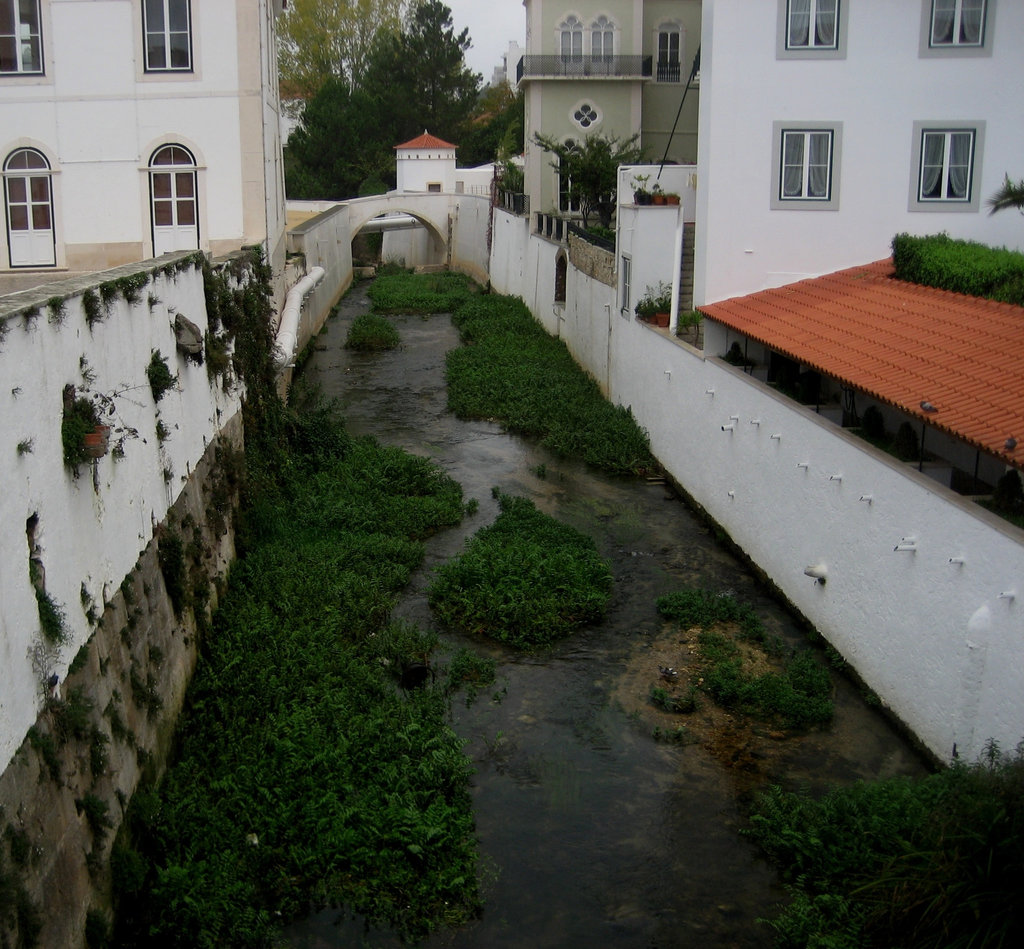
(426, 140)
(903, 344)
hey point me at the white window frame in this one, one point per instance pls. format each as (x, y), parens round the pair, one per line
(812, 49)
(25, 34)
(663, 36)
(166, 34)
(625, 283)
(790, 131)
(934, 132)
(605, 47)
(39, 243)
(174, 232)
(955, 47)
(570, 38)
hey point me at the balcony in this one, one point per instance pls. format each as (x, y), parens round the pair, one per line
(584, 67)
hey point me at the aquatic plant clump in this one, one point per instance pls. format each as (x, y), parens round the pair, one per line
(372, 333)
(510, 369)
(798, 695)
(421, 293)
(936, 862)
(525, 580)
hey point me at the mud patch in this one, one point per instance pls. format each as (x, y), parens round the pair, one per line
(750, 748)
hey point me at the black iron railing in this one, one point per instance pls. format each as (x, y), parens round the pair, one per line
(669, 72)
(570, 67)
(513, 202)
(597, 240)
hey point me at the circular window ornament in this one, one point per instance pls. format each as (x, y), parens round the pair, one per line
(585, 115)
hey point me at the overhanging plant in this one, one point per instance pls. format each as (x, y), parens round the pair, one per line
(656, 299)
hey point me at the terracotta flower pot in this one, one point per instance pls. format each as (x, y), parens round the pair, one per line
(661, 319)
(95, 442)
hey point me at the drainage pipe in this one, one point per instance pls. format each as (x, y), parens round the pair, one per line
(288, 330)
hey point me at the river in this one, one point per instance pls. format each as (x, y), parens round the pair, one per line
(602, 821)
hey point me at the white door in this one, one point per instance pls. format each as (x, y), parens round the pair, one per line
(172, 185)
(29, 209)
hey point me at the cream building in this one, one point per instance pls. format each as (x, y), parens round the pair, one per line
(616, 68)
(129, 128)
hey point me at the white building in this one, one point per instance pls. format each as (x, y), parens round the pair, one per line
(828, 127)
(131, 128)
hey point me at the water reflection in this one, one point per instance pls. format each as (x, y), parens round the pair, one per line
(592, 832)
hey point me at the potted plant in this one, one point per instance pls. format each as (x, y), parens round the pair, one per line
(657, 195)
(640, 193)
(655, 305)
(671, 197)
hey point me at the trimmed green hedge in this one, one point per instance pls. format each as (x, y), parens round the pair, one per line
(961, 266)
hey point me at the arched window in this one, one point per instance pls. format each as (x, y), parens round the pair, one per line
(172, 189)
(571, 38)
(29, 198)
(561, 268)
(602, 38)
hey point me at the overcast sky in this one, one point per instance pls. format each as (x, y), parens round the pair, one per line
(492, 24)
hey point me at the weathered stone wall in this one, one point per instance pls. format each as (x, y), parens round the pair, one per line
(595, 262)
(113, 720)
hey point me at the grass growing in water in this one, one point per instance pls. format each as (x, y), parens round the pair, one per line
(526, 579)
(936, 863)
(510, 369)
(798, 696)
(421, 293)
(306, 776)
(372, 333)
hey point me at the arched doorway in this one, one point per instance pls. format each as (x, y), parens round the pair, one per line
(28, 193)
(173, 200)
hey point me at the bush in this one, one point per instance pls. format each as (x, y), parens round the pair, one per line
(906, 446)
(961, 266)
(420, 293)
(159, 375)
(873, 423)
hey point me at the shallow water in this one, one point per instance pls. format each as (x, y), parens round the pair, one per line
(594, 829)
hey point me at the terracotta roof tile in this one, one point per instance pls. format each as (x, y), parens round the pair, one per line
(426, 140)
(900, 343)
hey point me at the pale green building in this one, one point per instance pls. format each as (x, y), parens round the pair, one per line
(614, 68)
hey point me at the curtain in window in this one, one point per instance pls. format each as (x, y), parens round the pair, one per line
(933, 150)
(792, 165)
(972, 16)
(825, 23)
(959, 165)
(943, 17)
(818, 162)
(799, 22)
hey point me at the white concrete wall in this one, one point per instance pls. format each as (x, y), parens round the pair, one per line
(936, 640)
(417, 169)
(91, 528)
(877, 92)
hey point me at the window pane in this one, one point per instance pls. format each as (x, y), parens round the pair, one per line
(185, 184)
(972, 17)
(6, 18)
(156, 55)
(178, 14)
(943, 15)
(792, 164)
(161, 186)
(825, 24)
(155, 16)
(933, 148)
(819, 148)
(186, 212)
(16, 190)
(179, 51)
(163, 214)
(959, 165)
(8, 54)
(41, 217)
(19, 217)
(40, 188)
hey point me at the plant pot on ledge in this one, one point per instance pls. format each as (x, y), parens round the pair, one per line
(660, 319)
(96, 442)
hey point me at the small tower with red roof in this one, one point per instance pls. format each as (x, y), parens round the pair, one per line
(426, 163)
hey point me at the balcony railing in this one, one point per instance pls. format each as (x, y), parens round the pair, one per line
(668, 72)
(595, 67)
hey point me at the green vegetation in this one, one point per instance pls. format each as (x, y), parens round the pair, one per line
(403, 292)
(306, 774)
(525, 580)
(52, 620)
(510, 369)
(372, 333)
(799, 696)
(962, 266)
(79, 418)
(931, 864)
(159, 375)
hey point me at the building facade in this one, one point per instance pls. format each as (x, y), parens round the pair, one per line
(827, 127)
(616, 69)
(129, 128)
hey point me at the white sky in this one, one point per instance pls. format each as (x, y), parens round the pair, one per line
(492, 25)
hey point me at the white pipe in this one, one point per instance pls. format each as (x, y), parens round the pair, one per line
(677, 266)
(288, 330)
